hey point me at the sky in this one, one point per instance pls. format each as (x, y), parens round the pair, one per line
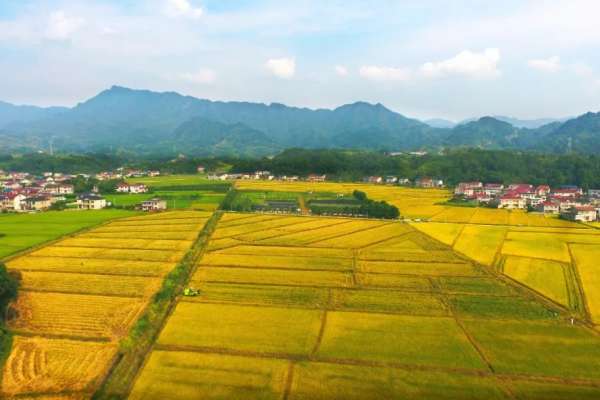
(450, 59)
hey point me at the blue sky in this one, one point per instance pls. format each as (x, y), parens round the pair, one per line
(423, 58)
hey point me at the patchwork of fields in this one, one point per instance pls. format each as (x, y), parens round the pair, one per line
(318, 308)
(79, 297)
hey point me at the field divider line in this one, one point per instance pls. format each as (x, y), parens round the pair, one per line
(289, 380)
(91, 273)
(392, 238)
(116, 259)
(446, 301)
(225, 224)
(261, 267)
(60, 336)
(120, 248)
(580, 229)
(288, 246)
(372, 363)
(579, 282)
(321, 333)
(43, 395)
(30, 290)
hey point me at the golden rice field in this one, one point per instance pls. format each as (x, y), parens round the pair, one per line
(79, 296)
(351, 309)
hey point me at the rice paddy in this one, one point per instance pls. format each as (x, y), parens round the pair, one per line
(362, 308)
(80, 295)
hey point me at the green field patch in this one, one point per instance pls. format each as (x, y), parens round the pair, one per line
(432, 341)
(537, 348)
(273, 277)
(544, 276)
(514, 307)
(249, 328)
(417, 268)
(22, 231)
(393, 281)
(187, 375)
(264, 295)
(479, 285)
(323, 381)
(480, 243)
(264, 261)
(387, 301)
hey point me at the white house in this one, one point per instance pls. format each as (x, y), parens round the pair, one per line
(155, 204)
(90, 201)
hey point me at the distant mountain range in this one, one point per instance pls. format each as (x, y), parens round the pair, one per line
(144, 122)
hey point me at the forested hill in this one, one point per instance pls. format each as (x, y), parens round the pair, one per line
(345, 165)
(142, 122)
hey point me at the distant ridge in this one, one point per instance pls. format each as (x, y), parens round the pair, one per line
(145, 122)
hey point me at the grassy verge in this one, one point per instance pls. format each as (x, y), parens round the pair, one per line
(134, 348)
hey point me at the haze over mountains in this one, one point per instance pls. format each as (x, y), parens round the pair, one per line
(145, 122)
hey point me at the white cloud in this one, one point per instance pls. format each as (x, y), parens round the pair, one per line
(341, 70)
(381, 73)
(182, 8)
(284, 68)
(61, 27)
(202, 77)
(551, 64)
(466, 63)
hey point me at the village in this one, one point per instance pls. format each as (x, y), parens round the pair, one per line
(570, 202)
(24, 192)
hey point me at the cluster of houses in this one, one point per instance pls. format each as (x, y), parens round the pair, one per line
(24, 192)
(423, 182)
(20, 191)
(569, 201)
(123, 173)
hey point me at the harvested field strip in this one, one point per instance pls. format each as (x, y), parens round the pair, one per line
(367, 237)
(183, 375)
(219, 244)
(151, 228)
(560, 350)
(396, 338)
(480, 243)
(261, 250)
(41, 365)
(586, 258)
(90, 266)
(119, 254)
(75, 314)
(310, 236)
(188, 235)
(543, 276)
(267, 276)
(226, 326)
(319, 263)
(132, 243)
(417, 268)
(125, 286)
(162, 222)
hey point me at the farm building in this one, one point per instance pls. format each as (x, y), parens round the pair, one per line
(90, 201)
(155, 204)
(581, 213)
